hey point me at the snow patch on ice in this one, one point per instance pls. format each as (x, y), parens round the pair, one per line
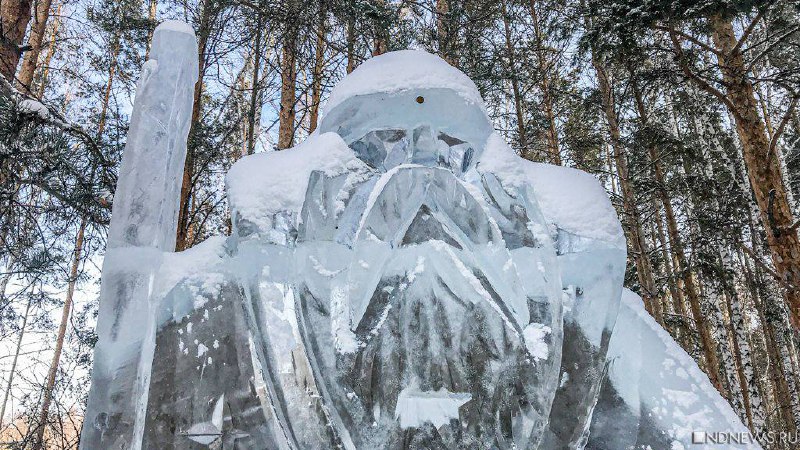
(175, 25)
(416, 407)
(535, 335)
(195, 261)
(344, 338)
(652, 371)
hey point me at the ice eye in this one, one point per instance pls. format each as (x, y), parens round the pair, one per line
(420, 99)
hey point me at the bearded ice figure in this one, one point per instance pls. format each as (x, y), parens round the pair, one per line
(429, 309)
(402, 280)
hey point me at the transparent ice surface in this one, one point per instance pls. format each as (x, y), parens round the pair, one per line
(142, 227)
(655, 396)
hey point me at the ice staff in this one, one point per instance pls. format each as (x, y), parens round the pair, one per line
(143, 226)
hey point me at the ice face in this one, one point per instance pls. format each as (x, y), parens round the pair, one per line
(401, 279)
(417, 126)
(142, 227)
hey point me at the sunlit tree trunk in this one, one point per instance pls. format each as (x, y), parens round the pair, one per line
(287, 112)
(543, 63)
(636, 238)
(184, 232)
(14, 18)
(47, 395)
(51, 50)
(763, 165)
(350, 36)
(512, 73)
(708, 343)
(381, 43)
(444, 31)
(254, 93)
(152, 8)
(36, 36)
(319, 65)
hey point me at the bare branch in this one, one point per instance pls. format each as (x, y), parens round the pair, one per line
(771, 46)
(703, 84)
(766, 267)
(689, 38)
(749, 30)
(782, 126)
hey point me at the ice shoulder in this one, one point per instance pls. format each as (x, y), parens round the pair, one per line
(571, 199)
(650, 370)
(263, 184)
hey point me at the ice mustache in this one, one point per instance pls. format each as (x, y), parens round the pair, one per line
(389, 148)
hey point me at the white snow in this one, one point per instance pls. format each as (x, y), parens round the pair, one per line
(175, 25)
(649, 367)
(402, 71)
(415, 407)
(535, 334)
(193, 262)
(571, 199)
(266, 183)
(34, 107)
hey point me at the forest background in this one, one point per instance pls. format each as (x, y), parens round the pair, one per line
(686, 111)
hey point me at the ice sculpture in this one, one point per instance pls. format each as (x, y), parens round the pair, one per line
(401, 280)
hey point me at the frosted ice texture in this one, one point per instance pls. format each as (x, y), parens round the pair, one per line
(655, 396)
(143, 225)
(401, 279)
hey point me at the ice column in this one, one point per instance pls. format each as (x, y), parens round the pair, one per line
(143, 225)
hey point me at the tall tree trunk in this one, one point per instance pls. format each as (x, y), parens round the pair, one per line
(77, 255)
(112, 71)
(772, 323)
(31, 58)
(51, 50)
(152, 8)
(381, 44)
(14, 18)
(351, 40)
(543, 63)
(676, 245)
(254, 95)
(444, 30)
(62, 331)
(644, 269)
(319, 65)
(745, 369)
(682, 332)
(13, 369)
(763, 165)
(512, 62)
(288, 90)
(183, 235)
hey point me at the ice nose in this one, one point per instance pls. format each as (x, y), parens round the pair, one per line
(425, 147)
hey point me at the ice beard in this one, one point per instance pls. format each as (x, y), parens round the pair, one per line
(417, 324)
